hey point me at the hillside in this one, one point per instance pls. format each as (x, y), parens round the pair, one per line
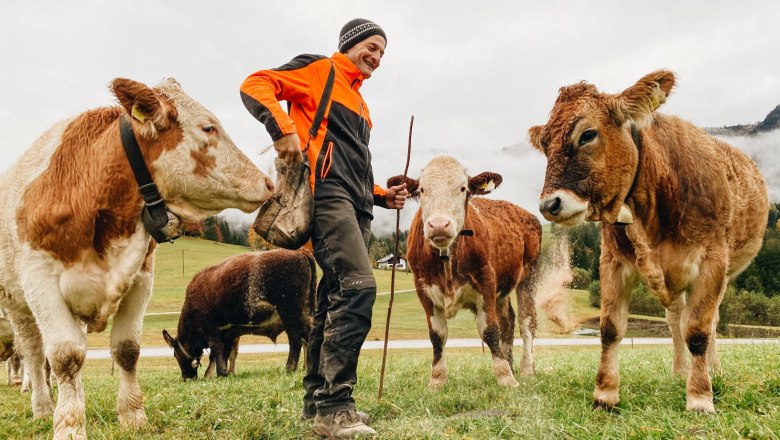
(771, 122)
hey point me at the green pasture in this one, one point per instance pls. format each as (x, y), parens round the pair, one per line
(177, 263)
(263, 402)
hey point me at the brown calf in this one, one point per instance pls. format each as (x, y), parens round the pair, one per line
(680, 210)
(499, 254)
(257, 293)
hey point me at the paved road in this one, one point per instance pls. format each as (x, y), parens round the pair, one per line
(424, 343)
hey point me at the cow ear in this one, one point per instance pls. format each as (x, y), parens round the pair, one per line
(142, 103)
(484, 183)
(169, 339)
(638, 102)
(412, 185)
(535, 136)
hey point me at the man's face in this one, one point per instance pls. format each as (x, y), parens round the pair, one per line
(367, 54)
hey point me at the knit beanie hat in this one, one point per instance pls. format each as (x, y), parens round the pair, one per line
(356, 31)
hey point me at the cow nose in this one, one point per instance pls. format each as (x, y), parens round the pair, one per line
(269, 184)
(438, 224)
(551, 206)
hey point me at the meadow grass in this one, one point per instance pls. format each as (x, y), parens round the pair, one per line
(264, 402)
(177, 263)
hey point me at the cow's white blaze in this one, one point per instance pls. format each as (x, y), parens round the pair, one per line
(443, 190)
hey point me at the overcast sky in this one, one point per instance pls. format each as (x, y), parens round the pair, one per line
(475, 74)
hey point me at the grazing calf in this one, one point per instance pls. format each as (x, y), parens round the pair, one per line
(680, 210)
(257, 293)
(7, 352)
(499, 253)
(74, 247)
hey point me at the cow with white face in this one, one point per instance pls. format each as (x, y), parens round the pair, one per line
(74, 248)
(471, 253)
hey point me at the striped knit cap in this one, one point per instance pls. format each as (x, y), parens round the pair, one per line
(356, 31)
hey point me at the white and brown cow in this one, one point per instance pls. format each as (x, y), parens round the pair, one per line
(680, 210)
(471, 253)
(73, 248)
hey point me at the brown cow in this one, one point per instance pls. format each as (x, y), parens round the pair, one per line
(680, 210)
(74, 247)
(257, 293)
(499, 253)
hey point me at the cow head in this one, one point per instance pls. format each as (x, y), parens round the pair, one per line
(194, 163)
(443, 190)
(592, 157)
(188, 363)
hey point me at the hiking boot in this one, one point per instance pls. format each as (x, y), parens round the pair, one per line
(363, 417)
(345, 424)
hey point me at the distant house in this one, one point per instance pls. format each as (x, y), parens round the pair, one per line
(387, 261)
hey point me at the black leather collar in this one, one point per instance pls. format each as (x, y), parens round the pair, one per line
(155, 214)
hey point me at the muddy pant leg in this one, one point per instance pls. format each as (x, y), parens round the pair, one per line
(313, 381)
(341, 248)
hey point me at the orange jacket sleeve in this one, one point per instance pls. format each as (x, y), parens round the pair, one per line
(262, 91)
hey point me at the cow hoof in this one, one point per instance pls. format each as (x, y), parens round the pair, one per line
(600, 405)
(700, 404)
(71, 433)
(436, 384)
(133, 419)
(508, 381)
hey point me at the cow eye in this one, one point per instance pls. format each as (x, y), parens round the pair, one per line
(208, 128)
(587, 136)
(462, 188)
(422, 190)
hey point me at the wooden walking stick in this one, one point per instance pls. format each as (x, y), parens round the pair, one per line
(392, 273)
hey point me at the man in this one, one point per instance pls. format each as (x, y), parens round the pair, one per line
(344, 193)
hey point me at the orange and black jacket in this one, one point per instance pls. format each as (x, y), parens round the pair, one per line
(339, 156)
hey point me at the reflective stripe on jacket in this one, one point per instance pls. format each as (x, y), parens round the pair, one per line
(339, 156)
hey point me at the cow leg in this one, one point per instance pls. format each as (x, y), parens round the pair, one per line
(487, 325)
(297, 331)
(66, 348)
(30, 348)
(233, 356)
(217, 346)
(506, 324)
(673, 314)
(209, 373)
(526, 309)
(229, 345)
(713, 361)
(125, 349)
(615, 291)
(697, 320)
(438, 332)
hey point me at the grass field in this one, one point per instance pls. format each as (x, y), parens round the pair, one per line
(177, 263)
(263, 402)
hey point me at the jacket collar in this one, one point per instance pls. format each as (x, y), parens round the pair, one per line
(348, 69)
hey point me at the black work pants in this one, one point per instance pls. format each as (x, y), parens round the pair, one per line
(345, 297)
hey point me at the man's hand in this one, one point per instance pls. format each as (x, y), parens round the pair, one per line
(288, 148)
(395, 197)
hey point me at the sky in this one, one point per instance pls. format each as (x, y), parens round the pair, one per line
(475, 75)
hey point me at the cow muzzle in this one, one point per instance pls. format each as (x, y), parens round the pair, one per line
(563, 207)
(440, 231)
